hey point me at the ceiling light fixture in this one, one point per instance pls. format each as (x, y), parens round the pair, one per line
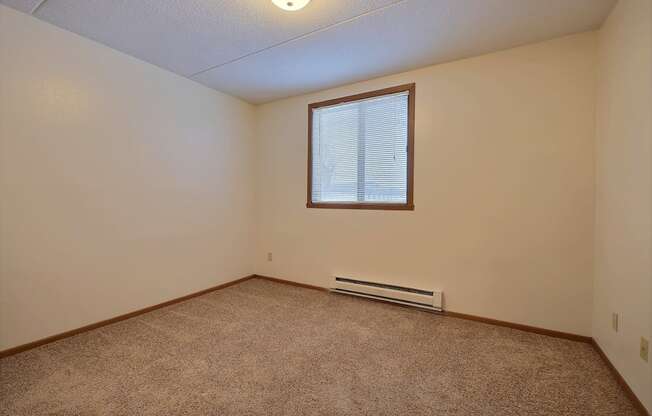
(291, 5)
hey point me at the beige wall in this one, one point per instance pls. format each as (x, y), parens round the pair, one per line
(504, 190)
(623, 250)
(122, 185)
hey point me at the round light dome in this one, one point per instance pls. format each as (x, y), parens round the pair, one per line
(291, 5)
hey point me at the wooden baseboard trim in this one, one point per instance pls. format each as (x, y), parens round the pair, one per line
(43, 341)
(557, 334)
(291, 283)
(623, 384)
(527, 328)
(521, 327)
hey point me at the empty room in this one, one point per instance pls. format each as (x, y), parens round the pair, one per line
(325, 207)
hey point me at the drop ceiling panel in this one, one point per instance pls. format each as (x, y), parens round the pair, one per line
(256, 51)
(25, 6)
(188, 36)
(408, 35)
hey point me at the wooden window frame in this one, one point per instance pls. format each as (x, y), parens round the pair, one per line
(409, 204)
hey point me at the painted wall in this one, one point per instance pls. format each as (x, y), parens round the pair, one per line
(122, 185)
(504, 190)
(623, 249)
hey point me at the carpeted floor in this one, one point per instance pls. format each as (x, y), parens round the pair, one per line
(264, 348)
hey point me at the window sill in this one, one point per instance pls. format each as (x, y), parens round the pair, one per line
(361, 205)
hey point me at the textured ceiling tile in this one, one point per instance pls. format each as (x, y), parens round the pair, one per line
(329, 43)
(188, 36)
(409, 35)
(25, 6)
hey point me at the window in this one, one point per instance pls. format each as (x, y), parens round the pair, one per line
(361, 151)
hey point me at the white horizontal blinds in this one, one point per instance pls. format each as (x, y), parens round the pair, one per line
(359, 151)
(385, 138)
(335, 153)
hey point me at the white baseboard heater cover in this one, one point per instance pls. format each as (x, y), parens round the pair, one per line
(426, 299)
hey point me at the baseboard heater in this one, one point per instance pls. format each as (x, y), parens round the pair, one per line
(425, 299)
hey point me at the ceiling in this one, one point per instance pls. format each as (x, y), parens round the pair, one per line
(253, 50)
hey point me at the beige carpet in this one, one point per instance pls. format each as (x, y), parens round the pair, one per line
(263, 348)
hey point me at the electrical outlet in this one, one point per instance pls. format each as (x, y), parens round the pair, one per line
(614, 321)
(269, 256)
(645, 349)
